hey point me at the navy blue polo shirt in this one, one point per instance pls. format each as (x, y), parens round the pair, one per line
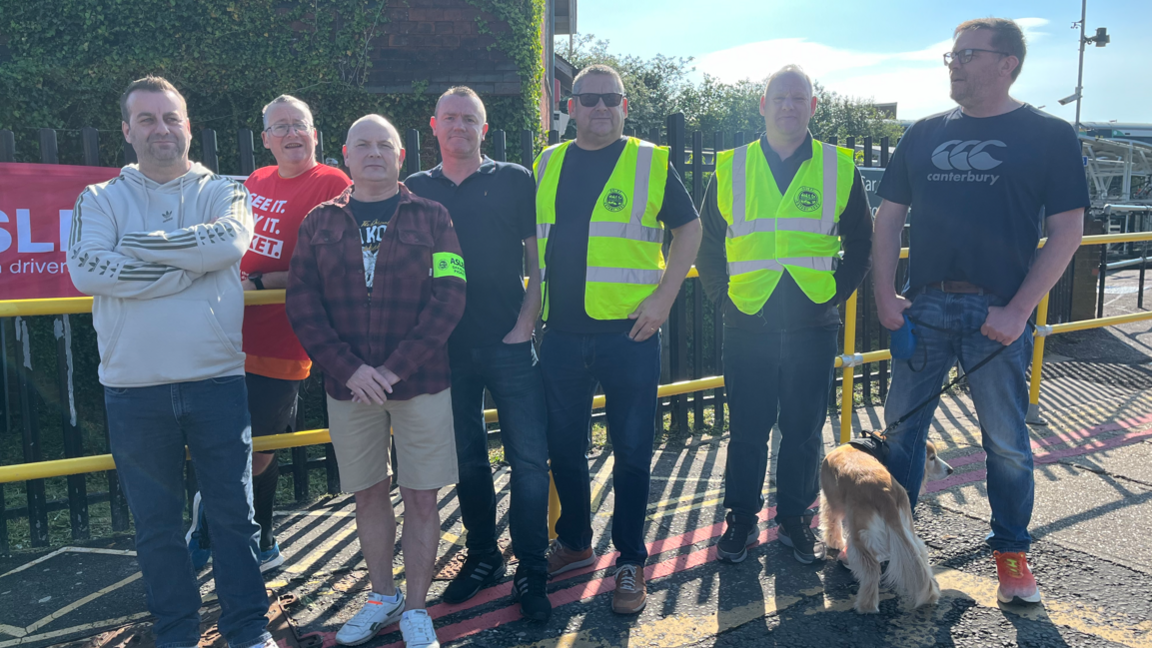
(493, 211)
(979, 188)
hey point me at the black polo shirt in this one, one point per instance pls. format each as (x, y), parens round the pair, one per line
(582, 179)
(493, 211)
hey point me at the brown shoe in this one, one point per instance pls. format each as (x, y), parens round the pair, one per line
(631, 595)
(562, 559)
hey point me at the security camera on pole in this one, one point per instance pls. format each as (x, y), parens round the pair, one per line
(1101, 39)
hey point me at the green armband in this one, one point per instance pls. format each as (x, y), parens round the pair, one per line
(446, 264)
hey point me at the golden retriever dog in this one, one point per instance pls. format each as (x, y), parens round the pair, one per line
(865, 513)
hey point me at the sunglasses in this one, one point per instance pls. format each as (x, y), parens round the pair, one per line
(964, 56)
(590, 99)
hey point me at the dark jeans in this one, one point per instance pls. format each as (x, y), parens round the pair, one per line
(629, 373)
(511, 374)
(949, 330)
(148, 428)
(784, 378)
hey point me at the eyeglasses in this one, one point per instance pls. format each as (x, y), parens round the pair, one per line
(590, 99)
(965, 55)
(280, 130)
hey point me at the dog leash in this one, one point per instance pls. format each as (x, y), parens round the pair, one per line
(955, 381)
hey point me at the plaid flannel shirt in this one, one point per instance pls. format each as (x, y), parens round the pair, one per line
(406, 322)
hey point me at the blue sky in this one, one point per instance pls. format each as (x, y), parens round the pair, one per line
(890, 51)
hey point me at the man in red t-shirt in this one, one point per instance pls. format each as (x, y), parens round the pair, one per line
(276, 363)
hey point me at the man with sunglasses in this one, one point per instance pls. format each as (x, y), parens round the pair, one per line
(603, 202)
(275, 364)
(776, 216)
(982, 181)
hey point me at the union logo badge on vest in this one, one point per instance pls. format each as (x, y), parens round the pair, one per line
(808, 199)
(615, 200)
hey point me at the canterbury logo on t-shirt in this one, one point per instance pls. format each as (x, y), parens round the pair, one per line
(966, 157)
(955, 155)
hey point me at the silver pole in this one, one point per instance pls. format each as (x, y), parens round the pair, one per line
(1080, 74)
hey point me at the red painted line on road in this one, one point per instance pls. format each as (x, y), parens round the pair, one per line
(1094, 445)
(328, 639)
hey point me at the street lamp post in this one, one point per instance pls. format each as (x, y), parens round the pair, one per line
(1100, 39)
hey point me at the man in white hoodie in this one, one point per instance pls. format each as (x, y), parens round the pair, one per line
(159, 247)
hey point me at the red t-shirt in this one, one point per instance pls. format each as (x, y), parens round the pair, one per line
(279, 205)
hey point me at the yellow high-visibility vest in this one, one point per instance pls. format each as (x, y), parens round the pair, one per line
(770, 234)
(625, 260)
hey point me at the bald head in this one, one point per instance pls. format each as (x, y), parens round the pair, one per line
(367, 121)
(787, 107)
(373, 154)
(794, 72)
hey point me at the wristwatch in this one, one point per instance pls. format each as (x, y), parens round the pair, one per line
(257, 279)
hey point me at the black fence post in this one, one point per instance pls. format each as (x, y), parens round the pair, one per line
(7, 146)
(884, 152)
(90, 139)
(553, 137)
(129, 153)
(208, 149)
(320, 146)
(73, 440)
(49, 153)
(738, 139)
(527, 148)
(301, 483)
(717, 319)
(37, 504)
(868, 151)
(678, 321)
(116, 501)
(850, 144)
(1143, 265)
(412, 151)
(499, 146)
(654, 135)
(247, 151)
(1103, 271)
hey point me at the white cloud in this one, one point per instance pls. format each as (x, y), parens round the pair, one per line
(917, 80)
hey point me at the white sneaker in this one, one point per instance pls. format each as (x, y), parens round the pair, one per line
(376, 613)
(418, 631)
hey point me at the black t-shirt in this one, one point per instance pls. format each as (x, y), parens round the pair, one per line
(372, 219)
(493, 211)
(979, 189)
(582, 179)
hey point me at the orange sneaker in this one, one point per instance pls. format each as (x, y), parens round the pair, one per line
(1017, 585)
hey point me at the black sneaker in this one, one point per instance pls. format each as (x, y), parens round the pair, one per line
(738, 536)
(528, 587)
(478, 572)
(796, 532)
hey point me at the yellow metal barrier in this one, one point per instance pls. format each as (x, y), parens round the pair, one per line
(846, 392)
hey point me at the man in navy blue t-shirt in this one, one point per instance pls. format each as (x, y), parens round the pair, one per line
(981, 180)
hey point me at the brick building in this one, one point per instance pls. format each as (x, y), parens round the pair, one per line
(432, 45)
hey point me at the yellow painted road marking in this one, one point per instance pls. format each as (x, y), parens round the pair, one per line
(23, 632)
(911, 628)
(74, 629)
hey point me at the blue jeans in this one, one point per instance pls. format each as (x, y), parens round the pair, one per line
(949, 329)
(780, 377)
(148, 428)
(629, 373)
(512, 376)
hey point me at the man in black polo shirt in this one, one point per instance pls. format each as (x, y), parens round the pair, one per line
(981, 180)
(492, 205)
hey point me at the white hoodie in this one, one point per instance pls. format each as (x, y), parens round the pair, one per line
(163, 262)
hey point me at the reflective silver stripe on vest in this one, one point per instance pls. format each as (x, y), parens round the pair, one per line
(809, 225)
(643, 175)
(631, 231)
(739, 184)
(540, 168)
(542, 230)
(623, 275)
(828, 213)
(824, 264)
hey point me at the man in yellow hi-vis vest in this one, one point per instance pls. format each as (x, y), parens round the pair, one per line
(775, 217)
(602, 204)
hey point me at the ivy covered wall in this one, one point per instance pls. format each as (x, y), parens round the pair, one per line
(63, 64)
